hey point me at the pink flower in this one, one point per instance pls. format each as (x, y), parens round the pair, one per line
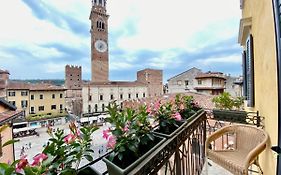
(157, 105)
(111, 142)
(22, 164)
(39, 158)
(69, 138)
(177, 116)
(126, 128)
(106, 133)
(148, 110)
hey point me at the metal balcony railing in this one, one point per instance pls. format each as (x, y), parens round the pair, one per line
(182, 154)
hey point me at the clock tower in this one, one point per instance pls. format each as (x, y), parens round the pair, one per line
(99, 41)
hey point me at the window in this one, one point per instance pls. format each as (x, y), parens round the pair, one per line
(121, 96)
(102, 107)
(129, 96)
(199, 82)
(143, 95)
(101, 97)
(23, 103)
(32, 111)
(11, 93)
(248, 72)
(186, 82)
(24, 93)
(41, 96)
(111, 97)
(90, 98)
(179, 82)
(61, 106)
(89, 108)
(41, 108)
(53, 96)
(96, 108)
(13, 102)
(137, 95)
(53, 107)
(60, 95)
(32, 97)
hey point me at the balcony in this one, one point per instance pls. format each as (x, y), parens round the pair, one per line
(183, 153)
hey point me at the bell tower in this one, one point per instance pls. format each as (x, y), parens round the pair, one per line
(99, 41)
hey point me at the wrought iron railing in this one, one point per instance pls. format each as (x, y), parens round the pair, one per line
(182, 154)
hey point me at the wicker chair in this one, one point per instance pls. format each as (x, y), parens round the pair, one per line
(249, 142)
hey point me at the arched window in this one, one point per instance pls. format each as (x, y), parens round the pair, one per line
(100, 2)
(102, 25)
(95, 1)
(97, 24)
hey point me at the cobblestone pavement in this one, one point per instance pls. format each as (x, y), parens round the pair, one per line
(98, 143)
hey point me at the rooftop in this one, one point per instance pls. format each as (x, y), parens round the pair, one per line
(13, 85)
(211, 75)
(115, 83)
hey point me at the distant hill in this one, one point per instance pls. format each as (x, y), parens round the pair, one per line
(57, 82)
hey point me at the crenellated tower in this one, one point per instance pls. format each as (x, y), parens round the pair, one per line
(99, 41)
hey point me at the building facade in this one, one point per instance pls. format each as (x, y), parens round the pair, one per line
(184, 82)
(73, 85)
(153, 79)
(4, 78)
(96, 96)
(212, 83)
(259, 36)
(36, 99)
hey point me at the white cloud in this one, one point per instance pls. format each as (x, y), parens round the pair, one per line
(217, 60)
(120, 66)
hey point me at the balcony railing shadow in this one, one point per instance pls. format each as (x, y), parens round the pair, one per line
(182, 154)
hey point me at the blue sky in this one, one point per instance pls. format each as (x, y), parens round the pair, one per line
(39, 37)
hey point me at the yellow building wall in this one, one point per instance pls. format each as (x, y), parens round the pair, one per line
(265, 73)
(8, 153)
(47, 101)
(18, 98)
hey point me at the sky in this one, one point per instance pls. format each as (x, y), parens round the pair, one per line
(39, 37)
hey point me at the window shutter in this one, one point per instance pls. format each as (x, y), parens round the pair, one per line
(250, 71)
(244, 69)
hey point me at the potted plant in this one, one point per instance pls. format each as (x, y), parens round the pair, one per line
(129, 137)
(229, 109)
(186, 106)
(62, 155)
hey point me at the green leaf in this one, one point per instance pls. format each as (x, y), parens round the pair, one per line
(150, 136)
(120, 156)
(111, 156)
(28, 170)
(9, 142)
(133, 148)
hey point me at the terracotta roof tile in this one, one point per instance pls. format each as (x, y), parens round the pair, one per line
(33, 87)
(210, 75)
(9, 115)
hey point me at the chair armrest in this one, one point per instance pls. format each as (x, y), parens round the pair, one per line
(217, 134)
(255, 152)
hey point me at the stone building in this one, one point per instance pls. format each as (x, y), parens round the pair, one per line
(4, 78)
(153, 79)
(184, 82)
(73, 85)
(100, 91)
(212, 83)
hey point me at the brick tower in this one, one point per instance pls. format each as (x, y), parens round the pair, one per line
(99, 41)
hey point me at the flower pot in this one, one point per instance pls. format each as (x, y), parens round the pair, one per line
(174, 130)
(88, 171)
(114, 168)
(232, 116)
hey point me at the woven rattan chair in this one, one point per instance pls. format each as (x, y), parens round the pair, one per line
(249, 142)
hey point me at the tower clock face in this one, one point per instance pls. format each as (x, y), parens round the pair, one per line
(101, 46)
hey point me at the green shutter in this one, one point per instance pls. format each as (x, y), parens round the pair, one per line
(250, 71)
